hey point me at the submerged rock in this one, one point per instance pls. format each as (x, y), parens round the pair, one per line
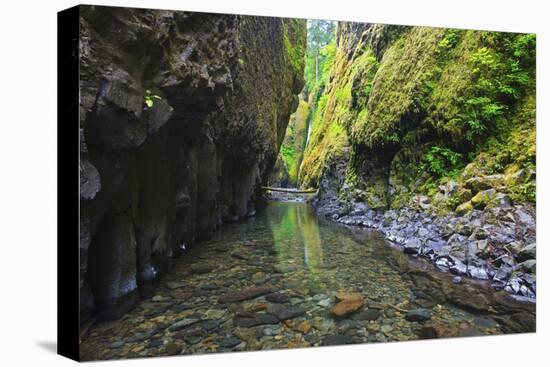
(277, 297)
(419, 314)
(259, 278)
(368, 315)
(174, 285)
(182, 324)
(117, 344)
(337, 339)
(202, 268)
(284, 312)
(246, 294)
(304, 327)
(324, 302)
(229, 342)
(285, 268)
(348, 303)
(250, 319)
(173, 349)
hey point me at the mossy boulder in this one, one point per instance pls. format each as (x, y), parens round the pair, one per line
(463, 195)
(483, 198)
(477, 184)
(464, 208)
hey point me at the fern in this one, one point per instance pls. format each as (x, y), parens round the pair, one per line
(440, 161)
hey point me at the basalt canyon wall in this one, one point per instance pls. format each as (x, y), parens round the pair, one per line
(181, 118)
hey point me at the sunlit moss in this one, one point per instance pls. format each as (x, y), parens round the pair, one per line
(295, 140)
(431, 104)
(336, 111)
(406, 66)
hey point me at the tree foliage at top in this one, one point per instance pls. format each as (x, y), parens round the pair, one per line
(320, 33)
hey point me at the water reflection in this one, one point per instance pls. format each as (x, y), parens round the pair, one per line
(296, 237)
(307, 262)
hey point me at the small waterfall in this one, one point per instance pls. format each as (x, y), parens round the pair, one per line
(308, 129)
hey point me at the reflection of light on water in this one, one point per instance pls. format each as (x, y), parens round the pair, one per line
(295, 227)
(313, 251)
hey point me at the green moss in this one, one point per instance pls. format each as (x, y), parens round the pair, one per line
(483, 198)
(488, 72)
(294, 43)
(337, 110)
(406, 66)
(327, 137)
(464, 208)
(427, 105)
(295, 140)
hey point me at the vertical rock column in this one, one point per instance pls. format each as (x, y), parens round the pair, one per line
(182, 116)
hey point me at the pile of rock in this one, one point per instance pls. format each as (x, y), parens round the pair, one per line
(496, 243)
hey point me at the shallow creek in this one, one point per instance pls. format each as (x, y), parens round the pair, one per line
(270, 282)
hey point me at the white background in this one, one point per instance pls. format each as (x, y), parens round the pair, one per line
(28, 182)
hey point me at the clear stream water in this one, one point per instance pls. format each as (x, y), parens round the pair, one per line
(305, 262)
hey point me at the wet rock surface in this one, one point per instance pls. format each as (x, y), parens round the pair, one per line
(402, 298)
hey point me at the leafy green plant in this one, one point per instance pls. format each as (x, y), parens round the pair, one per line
(525, 192)
(453, 202)
(440, 161)
(482, 111)
(501, 72)
(393, 138)
(529, 191)
(450, 39)
(288, 153)
(149, 98)
(496, 167)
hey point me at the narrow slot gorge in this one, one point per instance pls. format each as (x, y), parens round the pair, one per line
(402, 162)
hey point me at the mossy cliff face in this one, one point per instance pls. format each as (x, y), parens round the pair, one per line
(428, 135)
(182, 117)
(286, 169)
(412, 111)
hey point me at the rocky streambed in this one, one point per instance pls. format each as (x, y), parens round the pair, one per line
(285, 279)
(496, 243)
